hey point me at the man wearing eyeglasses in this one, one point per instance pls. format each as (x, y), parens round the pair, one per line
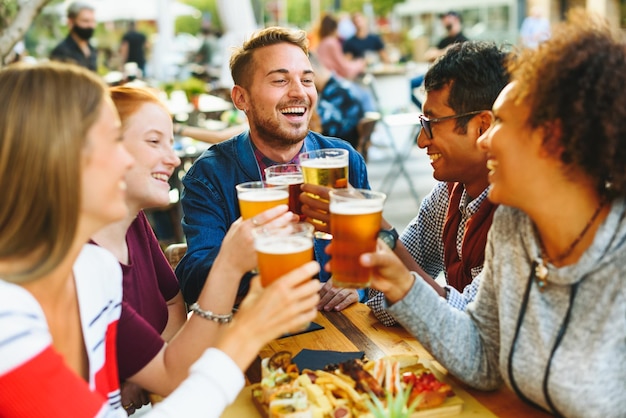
(450, 230)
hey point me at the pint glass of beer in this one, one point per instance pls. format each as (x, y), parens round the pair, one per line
(325, 167)
(290, 175)
(258, 196)
(355, 217)
(282, 249)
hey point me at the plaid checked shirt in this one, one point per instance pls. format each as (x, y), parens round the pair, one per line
(423, 238)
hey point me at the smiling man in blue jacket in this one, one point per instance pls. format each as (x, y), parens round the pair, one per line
(274, 86)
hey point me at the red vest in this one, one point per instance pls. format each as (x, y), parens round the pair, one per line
(474, 238)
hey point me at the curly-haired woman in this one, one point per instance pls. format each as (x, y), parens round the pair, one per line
(549, 319)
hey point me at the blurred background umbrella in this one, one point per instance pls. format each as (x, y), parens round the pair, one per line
(112, 10)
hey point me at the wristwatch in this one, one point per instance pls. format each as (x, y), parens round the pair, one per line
(389, 237)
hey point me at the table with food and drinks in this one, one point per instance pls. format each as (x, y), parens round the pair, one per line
(344, 364)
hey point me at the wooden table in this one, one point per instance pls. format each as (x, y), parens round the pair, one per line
(356, 329)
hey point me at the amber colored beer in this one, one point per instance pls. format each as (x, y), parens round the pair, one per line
(257, 196)
(294, 181)
(326, 167)
(354, 225)
(278, 255)
(324, 172)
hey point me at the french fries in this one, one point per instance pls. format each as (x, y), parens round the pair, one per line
(335, 393)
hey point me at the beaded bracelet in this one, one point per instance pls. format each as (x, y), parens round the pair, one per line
(220, 319)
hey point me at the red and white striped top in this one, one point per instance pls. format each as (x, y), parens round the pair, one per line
(29, 365)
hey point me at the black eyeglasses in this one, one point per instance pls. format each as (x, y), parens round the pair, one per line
(425, 121)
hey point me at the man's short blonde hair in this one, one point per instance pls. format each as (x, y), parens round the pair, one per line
(241, 59)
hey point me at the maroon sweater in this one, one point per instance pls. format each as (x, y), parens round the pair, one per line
(149, 282)
(474, 239)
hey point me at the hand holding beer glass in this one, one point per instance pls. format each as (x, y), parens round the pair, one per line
(258, 196)
(281, 249)
(290, 175)
(355, 216)
(325, 167)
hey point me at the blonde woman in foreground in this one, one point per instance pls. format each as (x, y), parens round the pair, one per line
(62, 170)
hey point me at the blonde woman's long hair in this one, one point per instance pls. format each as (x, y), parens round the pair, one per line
(46, 111)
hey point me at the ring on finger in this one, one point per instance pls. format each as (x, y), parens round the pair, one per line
(130, 405)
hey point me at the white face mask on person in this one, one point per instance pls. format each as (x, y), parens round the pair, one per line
(83, 33)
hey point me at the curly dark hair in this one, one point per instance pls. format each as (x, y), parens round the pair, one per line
(476, 72)
(576, 79)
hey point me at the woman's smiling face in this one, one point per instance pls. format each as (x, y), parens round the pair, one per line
(148, 138)
(105, 165)
(512, 148)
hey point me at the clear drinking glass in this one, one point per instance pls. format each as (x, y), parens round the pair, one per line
(290, 175)
(325, 167)
(355, 221)
(258, 196)
(282, 249)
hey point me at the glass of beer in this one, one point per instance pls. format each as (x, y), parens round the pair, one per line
(258, 196)
(325, 167)
(291, 175)
(355, 216)
(282, 249)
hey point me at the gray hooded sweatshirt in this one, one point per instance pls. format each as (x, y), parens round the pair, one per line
(576, 366)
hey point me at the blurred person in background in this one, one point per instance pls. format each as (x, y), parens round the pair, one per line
(330, 52)
(364, 43)
(75, 48)
(339, 105)
(535, 28)
(133, 48)
(453, 25)
(209, 49)
(345, 27)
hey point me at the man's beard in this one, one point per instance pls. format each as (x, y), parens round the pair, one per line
(276, 135)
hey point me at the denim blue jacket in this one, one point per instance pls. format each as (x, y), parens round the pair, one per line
(210, 204)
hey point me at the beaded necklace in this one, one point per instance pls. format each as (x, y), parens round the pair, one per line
(541, 268)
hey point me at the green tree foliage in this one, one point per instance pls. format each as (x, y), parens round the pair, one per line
(298, 11)
(191, 24)
(15, 18)
(8, 10)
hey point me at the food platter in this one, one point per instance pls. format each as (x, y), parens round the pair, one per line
(339, 391)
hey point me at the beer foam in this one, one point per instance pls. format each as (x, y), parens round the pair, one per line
(359, 207)
(325, 163)
(286, 179)
(263, 195)
(283, 245)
